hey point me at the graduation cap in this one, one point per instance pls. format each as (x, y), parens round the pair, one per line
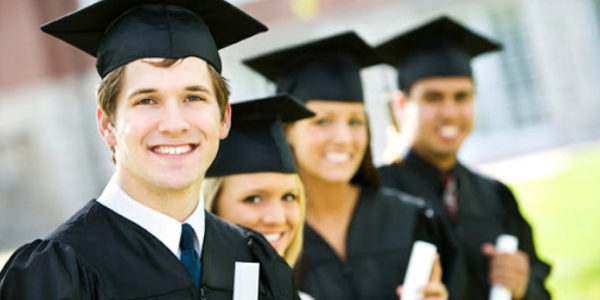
(441, 47)
(326, 69)
(120, 31)
(256, 141)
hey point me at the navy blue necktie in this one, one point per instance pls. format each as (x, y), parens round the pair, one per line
(189, 257)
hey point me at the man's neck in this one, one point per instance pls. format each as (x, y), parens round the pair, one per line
(178, 205)
(443, 163)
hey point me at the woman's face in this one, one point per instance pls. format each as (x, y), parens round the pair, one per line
(265, 202)
(331, 145)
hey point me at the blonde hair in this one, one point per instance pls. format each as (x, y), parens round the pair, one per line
(211, 190)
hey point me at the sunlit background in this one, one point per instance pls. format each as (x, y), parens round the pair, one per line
(538, 106)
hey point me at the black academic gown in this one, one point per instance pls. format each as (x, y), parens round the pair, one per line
(486, 209)
(383, 228)
(98, 254)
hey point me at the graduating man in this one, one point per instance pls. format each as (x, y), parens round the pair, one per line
(163, 107)
(435, 79)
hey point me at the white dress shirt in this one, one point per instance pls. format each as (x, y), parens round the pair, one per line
(164, 228)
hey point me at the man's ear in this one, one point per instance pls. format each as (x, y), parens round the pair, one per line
(226, 122)
(105, 128)
(400, 100)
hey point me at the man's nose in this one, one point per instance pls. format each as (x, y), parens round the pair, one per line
(173, 119)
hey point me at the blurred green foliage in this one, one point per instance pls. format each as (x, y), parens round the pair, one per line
(564, 211)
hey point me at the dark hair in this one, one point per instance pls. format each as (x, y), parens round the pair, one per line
(367, 175)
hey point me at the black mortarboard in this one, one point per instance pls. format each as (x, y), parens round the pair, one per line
(256, 141)
(120, 31)
(441, 47)
(326, 69)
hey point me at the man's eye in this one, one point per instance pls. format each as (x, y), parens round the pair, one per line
(433, 97)
(463, 97)
(146, 101)
(195, 98)
(356, 122)
(252, 199)
(289, 197)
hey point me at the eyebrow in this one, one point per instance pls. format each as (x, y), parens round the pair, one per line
(433, 92)
(197, 88)
(293, 191)
(334, 112)
(141, 92)
(464, 93)
(266, 190)
(192, 88)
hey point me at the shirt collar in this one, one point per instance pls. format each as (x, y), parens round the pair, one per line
(164, 228)
(431, 173)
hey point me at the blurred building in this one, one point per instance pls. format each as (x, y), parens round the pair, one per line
(51, 161)
(540, 92)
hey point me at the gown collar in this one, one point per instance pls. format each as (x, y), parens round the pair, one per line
(432, 174)
(164, 228)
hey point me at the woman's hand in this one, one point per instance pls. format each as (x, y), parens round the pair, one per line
(435, 289)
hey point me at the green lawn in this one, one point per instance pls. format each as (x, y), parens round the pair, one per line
(564, 210)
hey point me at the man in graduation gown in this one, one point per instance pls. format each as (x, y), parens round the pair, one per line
(162, 110)
(435, 79)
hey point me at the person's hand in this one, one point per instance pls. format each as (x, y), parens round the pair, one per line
(509, 270)
(435, 289)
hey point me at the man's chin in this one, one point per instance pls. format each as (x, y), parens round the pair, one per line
(179, 184)
(445, 153)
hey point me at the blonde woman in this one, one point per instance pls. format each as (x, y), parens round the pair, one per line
(253, 181)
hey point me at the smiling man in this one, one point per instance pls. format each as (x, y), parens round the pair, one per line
(436, 83)
(163, 109)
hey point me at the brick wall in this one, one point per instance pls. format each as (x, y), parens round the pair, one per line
(26, 53)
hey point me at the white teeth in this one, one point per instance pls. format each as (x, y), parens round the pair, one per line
(337, 157)
(273, 236)
(172, 150)
(449, 131)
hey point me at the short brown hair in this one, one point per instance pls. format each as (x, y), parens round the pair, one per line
(111, 85)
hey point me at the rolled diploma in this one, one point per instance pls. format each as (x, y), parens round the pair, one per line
(419, 269)
(505, 243)
(245, 283)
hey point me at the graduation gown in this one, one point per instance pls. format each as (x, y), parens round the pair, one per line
(383, 228)
(98, 254)
(486, 209)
